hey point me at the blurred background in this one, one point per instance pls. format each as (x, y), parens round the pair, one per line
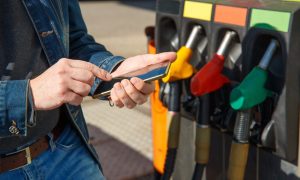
(121, 137)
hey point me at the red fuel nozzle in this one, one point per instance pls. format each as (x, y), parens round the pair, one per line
(210, 77)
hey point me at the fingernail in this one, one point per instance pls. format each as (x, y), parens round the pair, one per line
(134, 80)
(118, 86)
(129, 106)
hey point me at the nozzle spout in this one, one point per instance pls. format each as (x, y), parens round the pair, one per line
(226, 42)
(194, 37)
(174, 42)
(266, 60)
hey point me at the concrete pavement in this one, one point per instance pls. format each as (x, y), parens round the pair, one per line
(119, 25)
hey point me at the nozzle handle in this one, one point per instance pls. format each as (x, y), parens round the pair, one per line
(226, 42)
(194, 36)
(266, 60)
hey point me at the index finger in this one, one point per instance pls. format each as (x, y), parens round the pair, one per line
(161, 57)
(98, 72)
(166, 56)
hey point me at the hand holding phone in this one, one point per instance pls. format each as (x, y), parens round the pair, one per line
(141, 64)
(146, 67)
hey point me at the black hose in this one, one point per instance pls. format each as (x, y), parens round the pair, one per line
(198, 171)
(169, 164)
(174, 96)
(157, 175)
(174, 106)
(202, 116)
(202, 120)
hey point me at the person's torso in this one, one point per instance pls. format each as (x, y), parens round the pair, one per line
(50, 19)
(22, 57)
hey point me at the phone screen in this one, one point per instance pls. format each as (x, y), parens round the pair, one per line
(105, 86)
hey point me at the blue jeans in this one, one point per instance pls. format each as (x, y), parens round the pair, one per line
(66, 158)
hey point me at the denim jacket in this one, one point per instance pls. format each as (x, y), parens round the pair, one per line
(62, 33)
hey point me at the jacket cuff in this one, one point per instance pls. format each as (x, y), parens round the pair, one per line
(109, 65)
(30, 108)
(14, 119)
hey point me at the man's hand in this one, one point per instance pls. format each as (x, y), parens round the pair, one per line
(135, 91)
(67, 81)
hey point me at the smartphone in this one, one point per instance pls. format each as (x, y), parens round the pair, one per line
(155, 74)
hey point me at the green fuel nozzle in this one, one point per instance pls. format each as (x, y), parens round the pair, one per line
(252, 90)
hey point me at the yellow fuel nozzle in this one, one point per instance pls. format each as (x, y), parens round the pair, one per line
(181, 68)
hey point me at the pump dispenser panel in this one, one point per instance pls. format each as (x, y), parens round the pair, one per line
(255, 74)
(198, 12)
(168, 22)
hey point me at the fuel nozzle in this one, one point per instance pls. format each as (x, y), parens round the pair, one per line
(181, 68)
(252, 90)
(210, 78)
(248, 94)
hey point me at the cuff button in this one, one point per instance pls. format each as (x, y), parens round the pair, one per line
(13, 128)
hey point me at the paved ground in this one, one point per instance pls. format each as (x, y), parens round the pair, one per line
(120, 24)
(121, 137)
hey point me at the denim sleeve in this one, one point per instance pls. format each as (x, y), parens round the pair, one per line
(84, 47)
(14, 108)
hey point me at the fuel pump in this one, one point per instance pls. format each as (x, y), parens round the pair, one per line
(180, 69)
(211, 77)
(243, 98)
